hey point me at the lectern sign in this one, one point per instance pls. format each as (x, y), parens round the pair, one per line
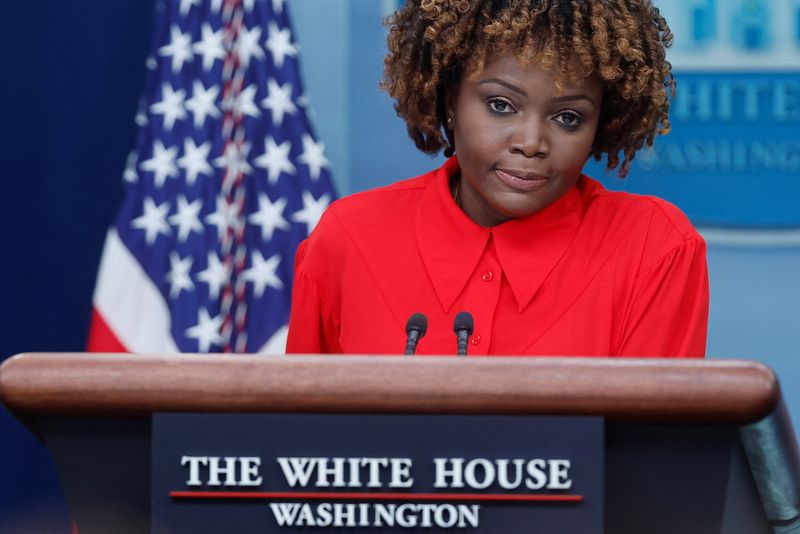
(383, 474)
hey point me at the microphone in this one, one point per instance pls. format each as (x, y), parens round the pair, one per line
(416, 327)
(463, 326)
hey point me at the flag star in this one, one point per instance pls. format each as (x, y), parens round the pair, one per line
(216, 5)
(202, 103)
(234, 159)
(186, 217)
(216, 275)
(225, 217)
(162, 164)
(171, 105)
(195, 160)
(313, 155)
(179, 48)
(279, 43)
(249, 4)
(275, 159)
(129, 174)
(140, 119)
(262, 273)
(248, 46)
(243, 102)
(153, 220)
(186, 5)
(269, 216)
(178, 275)
(206, 331)
(277, 6)
(279, 101)
(312, 210)
(209, 46)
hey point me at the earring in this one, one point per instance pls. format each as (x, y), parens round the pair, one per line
(449, 121)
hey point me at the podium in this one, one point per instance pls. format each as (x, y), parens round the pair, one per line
(690, 446)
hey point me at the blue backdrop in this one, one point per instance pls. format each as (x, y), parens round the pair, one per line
(74, 72)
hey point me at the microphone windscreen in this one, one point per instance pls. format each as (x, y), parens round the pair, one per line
(464, 322)
(417, 322)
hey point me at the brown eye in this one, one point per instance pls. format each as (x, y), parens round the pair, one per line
(568, 119)
(500, 106)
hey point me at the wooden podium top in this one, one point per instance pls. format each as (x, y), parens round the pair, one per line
(625, 390)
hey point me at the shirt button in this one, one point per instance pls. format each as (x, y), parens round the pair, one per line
(488, 276)
(475, 339)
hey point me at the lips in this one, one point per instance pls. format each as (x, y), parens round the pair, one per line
(521, 180)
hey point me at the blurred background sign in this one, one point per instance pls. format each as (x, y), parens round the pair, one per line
(733, 157)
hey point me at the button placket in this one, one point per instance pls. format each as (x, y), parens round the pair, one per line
(481, 300)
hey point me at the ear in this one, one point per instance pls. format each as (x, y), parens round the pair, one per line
(450, 96)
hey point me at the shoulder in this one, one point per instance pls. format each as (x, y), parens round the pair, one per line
(646, 216)
(360, 219)
(647, 229)
(381, 202)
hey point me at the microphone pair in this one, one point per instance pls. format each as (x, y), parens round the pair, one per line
(417, 325)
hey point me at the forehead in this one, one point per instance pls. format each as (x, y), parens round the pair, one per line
(523, 69)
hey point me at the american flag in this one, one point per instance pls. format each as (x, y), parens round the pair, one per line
(225, 180)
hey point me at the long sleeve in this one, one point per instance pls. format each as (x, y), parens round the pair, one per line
(312, 327)
(669, 311)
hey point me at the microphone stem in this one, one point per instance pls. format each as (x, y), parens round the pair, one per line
(461, 348)
(411, 342)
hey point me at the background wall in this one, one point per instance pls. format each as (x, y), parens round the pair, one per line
(74, 72)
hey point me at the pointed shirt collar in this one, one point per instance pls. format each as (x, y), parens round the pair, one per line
(528, 248)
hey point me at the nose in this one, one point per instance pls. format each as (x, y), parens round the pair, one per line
(530, 138)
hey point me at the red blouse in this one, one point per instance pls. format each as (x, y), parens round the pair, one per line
(597, 273)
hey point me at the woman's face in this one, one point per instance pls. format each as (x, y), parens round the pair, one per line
(521, 143)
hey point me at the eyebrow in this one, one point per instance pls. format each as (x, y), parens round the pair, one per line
(572, 98)
(509, 86)
(514, 88)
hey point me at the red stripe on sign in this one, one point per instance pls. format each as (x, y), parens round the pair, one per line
(507, 497)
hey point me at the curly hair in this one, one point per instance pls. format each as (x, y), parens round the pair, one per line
(433, 44)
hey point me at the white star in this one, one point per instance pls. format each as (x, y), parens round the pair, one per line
(178, 275)
(162, 163)
(129, 174)
(234, 159)
(249, 4)
(276, 159)
(277, 6)
(216, 5)
(225, 217)
(171, 105)
(312, 210)
(186, 5)
(280, 44)
(186, 217)
(206, 331)
(216, 275)
(209, 46)
(152, 220)
(313, 155)
(195, 160)
(179, 48)
(248, 46)
(202, 103)
(279, 101)
(269, 216)
(262, 273)
(243, 102)
(303, 101)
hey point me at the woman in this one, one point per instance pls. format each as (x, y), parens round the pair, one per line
(519, 94)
